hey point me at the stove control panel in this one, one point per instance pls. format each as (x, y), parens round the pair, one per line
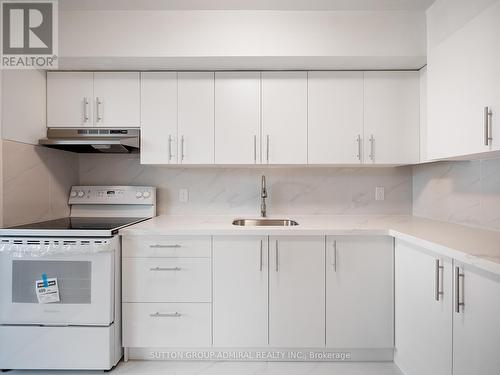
(138, 195)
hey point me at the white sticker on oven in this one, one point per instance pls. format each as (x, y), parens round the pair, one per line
(47, 290)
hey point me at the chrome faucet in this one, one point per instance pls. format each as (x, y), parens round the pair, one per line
(263, 196)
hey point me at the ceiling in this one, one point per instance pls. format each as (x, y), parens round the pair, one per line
(245, 4)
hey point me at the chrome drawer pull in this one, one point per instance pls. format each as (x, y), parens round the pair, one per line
(166, 315)
(165, 269)
(176, 246)
(459, 293)
(438, 292)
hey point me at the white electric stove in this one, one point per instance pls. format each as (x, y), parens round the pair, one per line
(60, 305)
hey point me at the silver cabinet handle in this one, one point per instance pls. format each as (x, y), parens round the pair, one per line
(260, 256)
(488, 137)
(99, 102)
(358, 140)
(459, 294)
(166, 315)
(438, 280)
(85, 109)
(255, 149)
(277, 255)
(267, 148)
(334, 256)
(372, 147)
(182, 148)
(158, 246)
(165, 269)
(170, 147)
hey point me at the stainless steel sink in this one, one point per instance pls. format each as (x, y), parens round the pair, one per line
(265, 222)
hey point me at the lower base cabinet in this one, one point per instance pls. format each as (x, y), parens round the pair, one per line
(359, 292)
(446, 315)
(256, 292)
(424, 298)
(476, 328)
(240, 295)
(297, 292)
(163, 325)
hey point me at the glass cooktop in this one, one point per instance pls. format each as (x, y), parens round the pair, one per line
(81, 223)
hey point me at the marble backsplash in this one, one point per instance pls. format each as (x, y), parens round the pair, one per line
(215, 190)
(36, 182)
(465, 192)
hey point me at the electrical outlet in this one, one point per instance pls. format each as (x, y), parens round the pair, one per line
(379, 193)
(183, 195)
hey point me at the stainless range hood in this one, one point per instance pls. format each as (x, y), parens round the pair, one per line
(93, 140)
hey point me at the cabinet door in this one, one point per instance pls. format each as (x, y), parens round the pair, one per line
(70, 99)
(158, 118)
(297, 292)
(284, 117)
(237, 118)
(463, 80)
(423, 317)
(196, 118)
(476, 332)
(117, 99)
(359, 292)
(240, 273)
(335, 117)
(391, 117)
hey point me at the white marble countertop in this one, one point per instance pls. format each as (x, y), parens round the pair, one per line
(469, 245)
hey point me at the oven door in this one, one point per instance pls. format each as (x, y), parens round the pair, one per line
(85, 280)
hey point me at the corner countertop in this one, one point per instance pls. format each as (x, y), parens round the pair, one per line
(474, 246)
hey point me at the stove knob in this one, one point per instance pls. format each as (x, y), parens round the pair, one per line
(80, 194)
(73, 194)
(138, 195)
(146, 194)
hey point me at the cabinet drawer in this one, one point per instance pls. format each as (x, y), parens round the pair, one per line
(166, 247)
(160, 325)
(166, 280)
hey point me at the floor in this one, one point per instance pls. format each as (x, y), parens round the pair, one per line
(239, 368)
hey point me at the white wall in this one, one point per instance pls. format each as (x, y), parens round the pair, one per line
(24, 105)
(340, 37)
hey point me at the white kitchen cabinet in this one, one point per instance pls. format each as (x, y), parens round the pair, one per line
(158, 118)
(70, 99)
(391, 117)
(166, 280)
(297, 292)
(196, 117)
(424, 296)
(284, 117)
(167, 325)
(476, 332)
(359, 292)
(240, 291)
(237, 118)
(117, 99)
(463, 79)
(335, 117)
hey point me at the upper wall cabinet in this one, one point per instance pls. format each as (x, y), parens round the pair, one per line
(70, 99)
(104, 99)
(464, 89)
(158, 118)
(237, 118)
(196, 117)
(335, 117)
(117, 99)
(284, 117)
(391, 117)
